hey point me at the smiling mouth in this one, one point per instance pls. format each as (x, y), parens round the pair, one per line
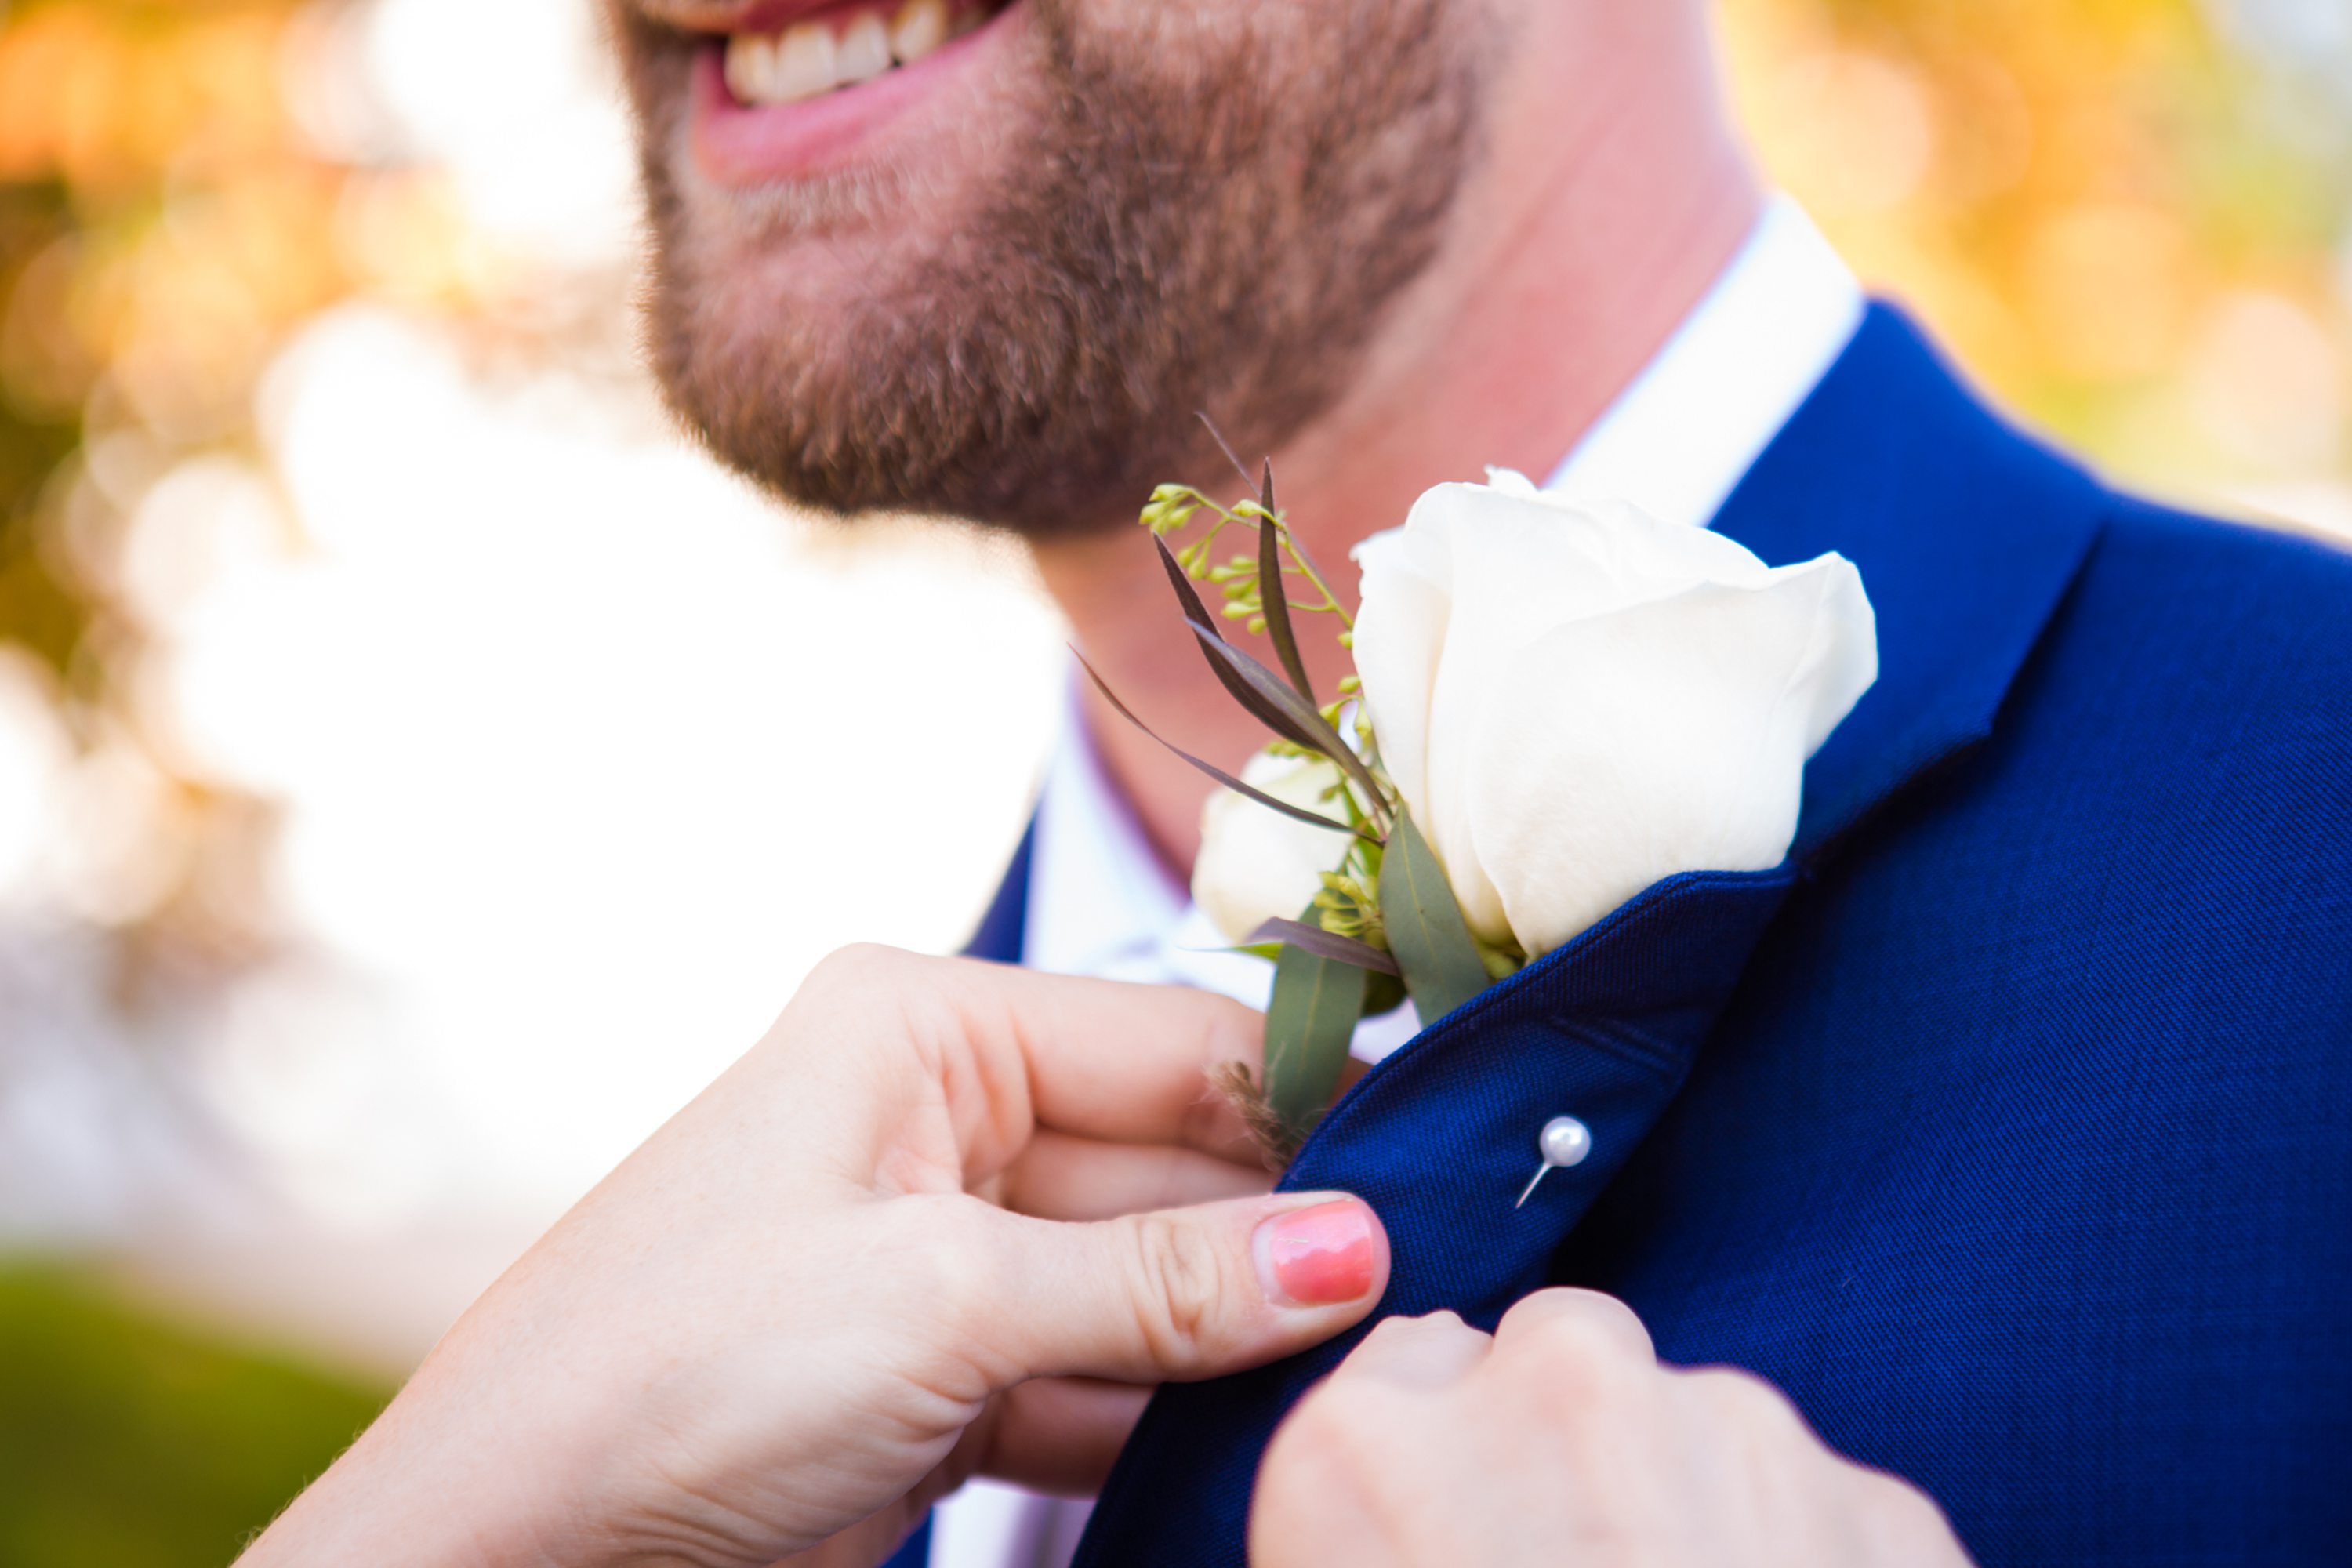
(844, 47)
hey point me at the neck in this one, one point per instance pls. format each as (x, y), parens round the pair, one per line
(1588, 234)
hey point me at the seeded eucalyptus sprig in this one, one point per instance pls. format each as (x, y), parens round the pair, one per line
(1385, 923)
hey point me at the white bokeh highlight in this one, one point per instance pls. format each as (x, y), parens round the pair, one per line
(585, 753)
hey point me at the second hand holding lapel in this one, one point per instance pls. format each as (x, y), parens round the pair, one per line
(1440, 1139)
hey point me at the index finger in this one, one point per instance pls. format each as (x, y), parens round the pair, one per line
(1113, 1060)
(1005, 1051)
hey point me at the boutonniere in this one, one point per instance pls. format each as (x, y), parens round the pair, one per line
(1555, 703)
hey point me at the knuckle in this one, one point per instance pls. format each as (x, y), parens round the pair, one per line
(1354, 1430)
(1324, 1422)
(1613, 1316)
(1609, 1322)
(1572, 1301)
(861, 968)
(1181, 1280)
(1905, 1520)
(1392, 1331)
(1575, 1355)
(1745, 1400)
(942, 1264)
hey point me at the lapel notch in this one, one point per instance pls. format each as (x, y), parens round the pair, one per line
(1966, 536)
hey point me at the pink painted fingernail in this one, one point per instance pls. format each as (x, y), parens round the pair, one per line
(1317, 1257)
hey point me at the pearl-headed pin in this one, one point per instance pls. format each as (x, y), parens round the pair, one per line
(1564, 1142)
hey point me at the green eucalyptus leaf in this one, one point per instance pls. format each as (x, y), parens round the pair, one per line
(1426, 929)
(1317, 1001)
(1270, 700)
(1260, 692)
(1382, 993)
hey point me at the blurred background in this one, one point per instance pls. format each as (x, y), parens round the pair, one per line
(420, 771)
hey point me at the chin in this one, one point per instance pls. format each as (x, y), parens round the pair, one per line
(982, 258)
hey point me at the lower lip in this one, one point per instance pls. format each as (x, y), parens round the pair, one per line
(746, 145)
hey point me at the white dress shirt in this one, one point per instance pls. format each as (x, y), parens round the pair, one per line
(1676, 442)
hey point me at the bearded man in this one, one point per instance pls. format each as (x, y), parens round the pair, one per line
(2004, 1135)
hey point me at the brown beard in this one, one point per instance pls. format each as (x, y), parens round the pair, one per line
(1223, 236)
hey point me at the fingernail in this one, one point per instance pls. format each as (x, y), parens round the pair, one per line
(1317, 1257)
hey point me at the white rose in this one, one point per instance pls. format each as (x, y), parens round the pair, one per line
(1257, 865)
(1576, 700)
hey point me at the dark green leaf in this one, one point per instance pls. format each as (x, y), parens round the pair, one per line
(1281, 710)
(1316, 1002)
(1297, 548)
(1425, 928)
(1243, 678)
(1327, 944)
(1261, 691)
(1300, 813)
(1258, 689)
(1277, 602)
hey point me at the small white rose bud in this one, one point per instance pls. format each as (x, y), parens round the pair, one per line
(1257, 865)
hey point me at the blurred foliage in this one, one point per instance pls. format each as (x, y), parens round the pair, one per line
(163, 229)
(160, 232)
(36, 608)
(126, 1442)
(2133, 218)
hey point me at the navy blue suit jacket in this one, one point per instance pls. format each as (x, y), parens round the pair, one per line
(2008, 1126)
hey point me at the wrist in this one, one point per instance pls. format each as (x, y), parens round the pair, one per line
(466, 1469)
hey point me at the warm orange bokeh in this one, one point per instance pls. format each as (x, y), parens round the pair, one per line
(2128, 226)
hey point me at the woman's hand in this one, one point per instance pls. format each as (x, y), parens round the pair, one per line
(901, 1240)
(1561, 1439)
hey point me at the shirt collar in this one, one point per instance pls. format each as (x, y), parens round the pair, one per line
(1099, 899)
(1685, 430)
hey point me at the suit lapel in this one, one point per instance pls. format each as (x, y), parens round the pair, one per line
(1966, 538)
(999, 935)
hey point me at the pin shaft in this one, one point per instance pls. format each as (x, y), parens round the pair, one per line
(1530, 1190)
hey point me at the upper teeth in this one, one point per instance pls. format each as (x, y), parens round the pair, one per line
(817, 55)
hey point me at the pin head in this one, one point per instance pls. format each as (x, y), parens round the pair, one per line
(1565, 1141)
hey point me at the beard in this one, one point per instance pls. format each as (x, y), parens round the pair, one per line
(1175, 216)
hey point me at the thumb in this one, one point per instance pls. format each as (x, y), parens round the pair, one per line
(1190, 1293)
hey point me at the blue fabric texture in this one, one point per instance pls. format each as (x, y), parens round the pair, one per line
(2004, 1128)
(999, 936)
